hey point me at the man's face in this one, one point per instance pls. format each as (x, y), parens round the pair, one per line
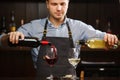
(57, 8)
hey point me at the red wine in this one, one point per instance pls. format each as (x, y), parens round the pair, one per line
(50, 61)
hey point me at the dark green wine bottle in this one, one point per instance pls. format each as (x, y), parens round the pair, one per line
(29, 42)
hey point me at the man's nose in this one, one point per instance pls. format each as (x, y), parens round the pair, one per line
(59, 7)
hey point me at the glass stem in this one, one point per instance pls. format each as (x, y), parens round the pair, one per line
(75, 74)
(51, 75)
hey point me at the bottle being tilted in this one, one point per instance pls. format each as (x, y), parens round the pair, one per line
(96, 43)
(29, 42)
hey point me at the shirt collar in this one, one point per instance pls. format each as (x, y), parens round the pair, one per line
(65, 21)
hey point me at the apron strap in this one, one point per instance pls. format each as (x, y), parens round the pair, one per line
(70, 36)
(69, 33)
(45, 30)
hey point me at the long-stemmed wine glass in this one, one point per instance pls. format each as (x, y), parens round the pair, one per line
(51, 58)
(73, 58)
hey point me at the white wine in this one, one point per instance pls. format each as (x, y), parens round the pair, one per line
(96, 43)
(74, 61)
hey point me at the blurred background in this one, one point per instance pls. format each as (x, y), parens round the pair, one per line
(101, 14)
(98, 13)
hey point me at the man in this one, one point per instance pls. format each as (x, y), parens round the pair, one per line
(62, 32)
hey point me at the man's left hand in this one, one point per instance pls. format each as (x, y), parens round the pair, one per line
(111, 39)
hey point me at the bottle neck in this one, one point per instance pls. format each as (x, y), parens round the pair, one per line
(30, 42)
(118, 43)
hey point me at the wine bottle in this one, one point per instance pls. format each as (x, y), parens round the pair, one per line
(97, 26)
(109, 27)
(3, 25)
(96, 43)
(12, 26)
(22, 22)
(29, 42)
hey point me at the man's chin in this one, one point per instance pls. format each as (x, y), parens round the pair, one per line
(59, 17)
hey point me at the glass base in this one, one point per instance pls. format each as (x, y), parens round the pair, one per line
(75, 78)
(50, 77)
(69, 77)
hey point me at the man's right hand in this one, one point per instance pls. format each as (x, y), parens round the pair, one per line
(14, 37)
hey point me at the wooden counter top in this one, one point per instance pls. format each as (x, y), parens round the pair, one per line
(14, 48)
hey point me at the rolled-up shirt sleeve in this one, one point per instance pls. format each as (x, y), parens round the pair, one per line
(90, 32)
(25, 29)
(83, 31)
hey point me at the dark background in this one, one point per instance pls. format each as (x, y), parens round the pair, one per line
(17, 63)
(85, 10)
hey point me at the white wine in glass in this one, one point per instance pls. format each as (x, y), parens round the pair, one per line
(73, 59)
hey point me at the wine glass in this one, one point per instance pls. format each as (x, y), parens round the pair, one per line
(51, 58)
(73, 58)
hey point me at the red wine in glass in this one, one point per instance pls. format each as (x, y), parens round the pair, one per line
(51, 58)
(50, 61)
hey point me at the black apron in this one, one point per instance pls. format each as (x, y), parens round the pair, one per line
(62, 67)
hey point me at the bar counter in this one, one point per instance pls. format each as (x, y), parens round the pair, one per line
(99, 64)
(16, 64)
